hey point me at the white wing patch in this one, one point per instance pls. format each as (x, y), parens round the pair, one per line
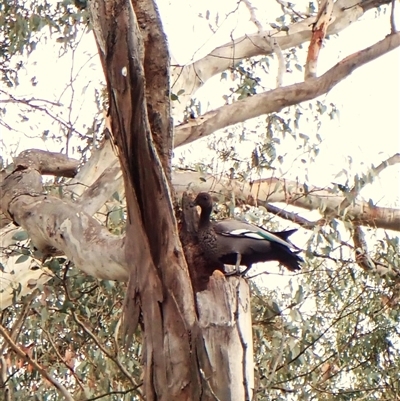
(243, 233)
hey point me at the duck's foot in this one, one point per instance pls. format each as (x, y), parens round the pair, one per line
(237, 273)
(232, 273)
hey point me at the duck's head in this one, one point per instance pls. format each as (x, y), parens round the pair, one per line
(204, 200)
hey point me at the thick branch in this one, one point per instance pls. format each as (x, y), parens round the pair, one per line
(47, 162)
(276, 100)
(191, 77)
(109, 182)
(58, 227)
(100, 159)
(275, 190)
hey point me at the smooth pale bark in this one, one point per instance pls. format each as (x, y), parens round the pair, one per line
(277, 99)
(276, 190)
(225, 320)
(57, 227)
(192, 76)
(100, 159)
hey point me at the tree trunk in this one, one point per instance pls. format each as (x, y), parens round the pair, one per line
(225, 320)
(179, 364)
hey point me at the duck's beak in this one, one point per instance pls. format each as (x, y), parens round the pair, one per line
(193, 203)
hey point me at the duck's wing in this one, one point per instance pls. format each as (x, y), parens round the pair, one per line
(240, 229)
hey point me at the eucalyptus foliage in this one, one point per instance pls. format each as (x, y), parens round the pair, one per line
(332, 333)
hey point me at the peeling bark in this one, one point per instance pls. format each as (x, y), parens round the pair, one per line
(159, 286)
(156, 69)
(225, 319)
(58, 227)
(319, 30)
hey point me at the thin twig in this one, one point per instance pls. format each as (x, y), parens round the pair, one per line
(95, 339)
(353, 193)
(253, 17)
(21, 318)
(392, 17)
(114, 393)
(104, 350)
(35, 365)
(43, 110)
(78, 381)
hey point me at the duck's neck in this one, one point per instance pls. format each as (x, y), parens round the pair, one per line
(205, 217)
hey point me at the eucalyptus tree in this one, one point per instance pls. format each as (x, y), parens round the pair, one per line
(188, 329)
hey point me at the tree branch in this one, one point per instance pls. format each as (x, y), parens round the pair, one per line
(62, 360)
(274, 190)
(319, 29)
(58, 227)
(109, 182)
(276, 100)
(353, 193)
(115, 359)
(63, 391)
(192, 76)
(159, 288)
(50, 163)
(16, 329)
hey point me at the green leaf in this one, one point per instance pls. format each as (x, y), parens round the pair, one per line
(275, 307)
(54, 265)
(22, 259)
(295, 315)
(299, 296)
(305, 137)
(20, 236)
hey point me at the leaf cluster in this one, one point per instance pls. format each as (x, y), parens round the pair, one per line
(70, 327)
(21, 30)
